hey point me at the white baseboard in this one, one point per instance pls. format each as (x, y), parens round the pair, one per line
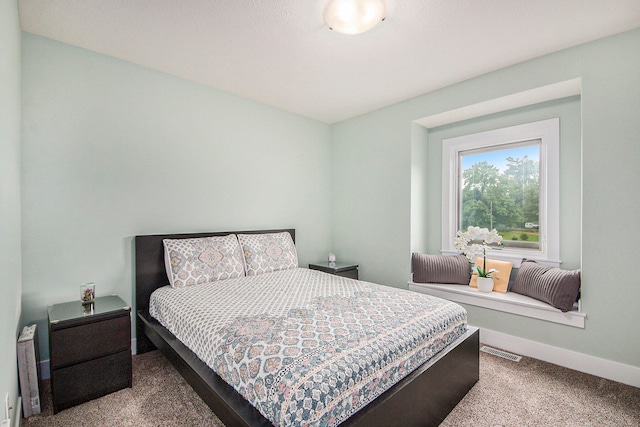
(603, 368)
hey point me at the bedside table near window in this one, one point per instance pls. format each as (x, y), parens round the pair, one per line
(89, 350)
(337, 268)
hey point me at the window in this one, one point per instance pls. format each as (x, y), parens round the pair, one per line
(507, 179)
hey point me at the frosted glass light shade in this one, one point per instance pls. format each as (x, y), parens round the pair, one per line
(353, 16)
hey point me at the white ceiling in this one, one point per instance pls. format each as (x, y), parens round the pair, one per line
(279, 52)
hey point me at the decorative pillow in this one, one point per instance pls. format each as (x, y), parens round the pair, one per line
(264, 253)
(552, 285)
(500, 279)
(440, 269)
(194, 261)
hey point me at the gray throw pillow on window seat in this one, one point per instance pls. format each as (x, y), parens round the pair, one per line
(557, 287)
(452, 270)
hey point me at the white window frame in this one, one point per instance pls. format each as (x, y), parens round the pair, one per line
(548, 132)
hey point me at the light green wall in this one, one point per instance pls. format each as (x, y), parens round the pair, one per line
(111, 150)
(372, 187)
(371, 194)
(10, 264)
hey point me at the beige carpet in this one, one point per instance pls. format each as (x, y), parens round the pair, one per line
(159, 397)
(536, 393)
(525, 393)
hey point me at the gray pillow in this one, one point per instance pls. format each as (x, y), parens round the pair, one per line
(552, 285)
(440, 269)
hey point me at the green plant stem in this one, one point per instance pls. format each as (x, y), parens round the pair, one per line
(484, 264)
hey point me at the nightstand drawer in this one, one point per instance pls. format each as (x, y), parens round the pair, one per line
(71, 345)
(336, 268)
(89, 380)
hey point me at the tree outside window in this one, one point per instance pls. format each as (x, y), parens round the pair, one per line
(500, 188)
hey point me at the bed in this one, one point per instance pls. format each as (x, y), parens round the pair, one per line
(423, 391)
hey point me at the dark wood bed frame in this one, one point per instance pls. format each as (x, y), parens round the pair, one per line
(423, 398)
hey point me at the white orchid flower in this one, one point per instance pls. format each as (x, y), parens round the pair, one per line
(463, 241)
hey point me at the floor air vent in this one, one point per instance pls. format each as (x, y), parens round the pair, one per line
(501, 353)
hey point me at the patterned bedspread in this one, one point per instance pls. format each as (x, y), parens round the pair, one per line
(305, 347)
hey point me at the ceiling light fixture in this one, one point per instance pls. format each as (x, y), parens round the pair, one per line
(354, 16)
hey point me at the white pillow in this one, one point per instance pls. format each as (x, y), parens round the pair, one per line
(194, 261)
(264, 253)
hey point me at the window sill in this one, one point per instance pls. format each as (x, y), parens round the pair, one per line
(512, 256)
(508, 303)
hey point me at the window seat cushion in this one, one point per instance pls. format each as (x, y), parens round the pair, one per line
(440, 269)
(552, 285)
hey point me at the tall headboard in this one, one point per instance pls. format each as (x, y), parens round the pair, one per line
(150, 268)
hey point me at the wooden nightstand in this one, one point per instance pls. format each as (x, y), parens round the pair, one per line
(89, 350)
(337, 268)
